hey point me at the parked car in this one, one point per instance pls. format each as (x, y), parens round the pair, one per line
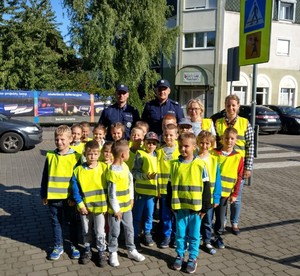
(266, 118)
(18, 134)
(289, 116)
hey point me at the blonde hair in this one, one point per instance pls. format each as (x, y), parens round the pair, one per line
(118, 147)
(204, 134)
(118, 125)
(142, 124)
(196, 101)
(101, 127)
(60, 130)
(187, 135)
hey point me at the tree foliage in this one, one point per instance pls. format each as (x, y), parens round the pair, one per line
(33, 54)
(120, 40)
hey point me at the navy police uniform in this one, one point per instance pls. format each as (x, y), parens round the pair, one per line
(127, 115)
(154, 113)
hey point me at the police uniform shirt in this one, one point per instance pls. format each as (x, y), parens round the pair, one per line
(127, 115)
(154, 112)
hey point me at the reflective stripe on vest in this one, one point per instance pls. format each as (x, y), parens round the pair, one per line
(164, 168)
(121, 181)
(187, 184)
(149, 186)
(60, 170)
(93, 186)
(241, 126)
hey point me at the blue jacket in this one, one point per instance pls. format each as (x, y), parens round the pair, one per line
(154, 112)
(127, 115)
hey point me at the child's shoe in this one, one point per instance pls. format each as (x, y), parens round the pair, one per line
(113, 259)
(148, 240)
(86, 256)
(219, 243)
(75, 254)
(135, 255)
(102, 259)
(55, 254)
(191, 266)
(165, 243)
(210, 249)
(178, 263)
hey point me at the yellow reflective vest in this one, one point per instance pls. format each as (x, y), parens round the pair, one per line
(164, 168)
(121, 180)
(229, 172)
(60, 171)
(211, 164)
(149, 186)
(92, 184)
(78, 148)
(241, 126)
(206, 124)
(187, 184)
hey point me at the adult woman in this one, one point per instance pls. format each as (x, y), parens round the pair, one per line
(195, 109)
(244, 145)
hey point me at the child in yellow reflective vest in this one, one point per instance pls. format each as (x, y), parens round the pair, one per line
(205, 140)
(90, 195)
(55, 188)
(99, 134)
(76, 143)
(231, 168)
(190, 200)
(169, 151)
(145, 174)
(120, 198)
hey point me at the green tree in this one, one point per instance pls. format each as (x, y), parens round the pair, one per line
(120, 40)
(32, 51)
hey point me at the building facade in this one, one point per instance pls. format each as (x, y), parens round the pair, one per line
(208, 28)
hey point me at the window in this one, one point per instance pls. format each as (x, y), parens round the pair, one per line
(199, 40)
(262, 95)
(283, 47)
(287, 96)
(286, 10)
(240, 91)
(199, 4)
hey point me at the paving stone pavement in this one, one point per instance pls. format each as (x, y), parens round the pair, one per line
(269, 243)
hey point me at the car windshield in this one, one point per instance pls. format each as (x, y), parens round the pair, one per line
(289, 110)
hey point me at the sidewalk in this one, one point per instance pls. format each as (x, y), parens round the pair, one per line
(268, 244)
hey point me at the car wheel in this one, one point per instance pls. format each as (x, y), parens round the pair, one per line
(11, 142)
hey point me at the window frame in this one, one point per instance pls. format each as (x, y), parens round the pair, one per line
(205, 40)
(284, 4)
(289, 47)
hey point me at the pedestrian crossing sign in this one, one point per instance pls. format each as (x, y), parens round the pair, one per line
(255, 30)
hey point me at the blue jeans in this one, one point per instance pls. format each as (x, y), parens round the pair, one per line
(167, 218)
(61, 212)
(206, 226)
(235, 208)
(188, 225)
(220, 213)
(143, 205)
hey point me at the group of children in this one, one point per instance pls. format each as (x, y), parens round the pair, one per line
(118, 183)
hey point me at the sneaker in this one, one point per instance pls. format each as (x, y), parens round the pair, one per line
(235, 230)
(113, 259)
(219, 243)
(86, 257)
(165, 243)
(75, 254)
(135, 255)
(102, 259)
(148, 240)
(55, 254)
(178, 263)
(191, 266)
(210, 249)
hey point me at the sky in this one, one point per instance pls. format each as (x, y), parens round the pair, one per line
(61, 17)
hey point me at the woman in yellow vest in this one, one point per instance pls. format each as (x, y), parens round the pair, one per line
(244, 145)
(195, 110)
(231, 168)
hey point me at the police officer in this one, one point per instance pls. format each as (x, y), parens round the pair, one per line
(155, 110)
(120, 112)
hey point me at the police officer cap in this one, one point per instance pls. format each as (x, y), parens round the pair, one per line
(163, 83)
(122, 87)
